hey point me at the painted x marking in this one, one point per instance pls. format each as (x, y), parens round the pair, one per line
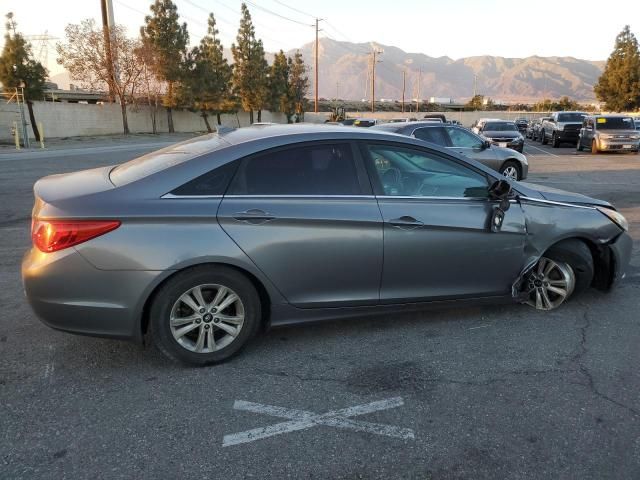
(303, 419)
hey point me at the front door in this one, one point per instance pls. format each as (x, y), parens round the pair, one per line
(437, 240)
(306, 217)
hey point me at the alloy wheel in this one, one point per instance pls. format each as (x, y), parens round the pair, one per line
(206, 318)
(549, 284)
(511, 172)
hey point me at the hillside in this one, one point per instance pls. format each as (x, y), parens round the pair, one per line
(509, 79)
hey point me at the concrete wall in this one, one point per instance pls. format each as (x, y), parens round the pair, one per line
(76, 119)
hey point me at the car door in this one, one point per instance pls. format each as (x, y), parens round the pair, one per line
(306, 216)
(472, 146)
(437, 240)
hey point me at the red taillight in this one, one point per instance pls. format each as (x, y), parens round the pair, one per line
(52, 235)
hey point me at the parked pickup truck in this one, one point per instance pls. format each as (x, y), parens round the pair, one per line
(562, 127)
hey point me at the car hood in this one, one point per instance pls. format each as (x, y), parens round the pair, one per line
(504, 134)
(557, 195)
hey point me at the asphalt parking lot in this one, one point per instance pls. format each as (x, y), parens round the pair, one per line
(460, 393)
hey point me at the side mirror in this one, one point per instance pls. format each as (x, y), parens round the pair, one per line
(499, 190)
(486, 144)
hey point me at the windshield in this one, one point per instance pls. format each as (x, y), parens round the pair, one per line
(615, 123)
(571, 117)
(500, 127)
(170, 156)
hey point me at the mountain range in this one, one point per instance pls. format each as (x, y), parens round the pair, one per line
(345, 72)
(344, 67)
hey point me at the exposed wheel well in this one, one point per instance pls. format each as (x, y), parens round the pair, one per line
(601, 256)
(262, 292)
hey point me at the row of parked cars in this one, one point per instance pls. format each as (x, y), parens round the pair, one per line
(594, 132)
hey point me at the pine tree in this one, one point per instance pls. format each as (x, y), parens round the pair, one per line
(298, 87)
(619, 84)
(279, 83)
(250, 67)
(17, 67)
(168, 40)
(207, 85)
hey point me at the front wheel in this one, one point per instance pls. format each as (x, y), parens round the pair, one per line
(594, 147)
(543, 138)
(564, 270)
(511, 169)
(555, 141)
(205, 315)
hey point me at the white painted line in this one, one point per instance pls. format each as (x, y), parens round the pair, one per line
(303, 419)
(540, 149)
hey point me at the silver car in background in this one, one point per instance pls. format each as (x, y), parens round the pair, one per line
(205, 243)
(458, 139)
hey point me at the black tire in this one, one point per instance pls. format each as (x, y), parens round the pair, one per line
(594, 147)
(555, 141)
(182, 282)
(577, 254)
(579, 145)
(543, 138)
(512, 163)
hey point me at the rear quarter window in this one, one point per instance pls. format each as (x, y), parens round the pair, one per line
(168, 157)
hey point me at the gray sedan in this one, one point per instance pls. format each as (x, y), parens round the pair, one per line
(505, 160)
(203, 244)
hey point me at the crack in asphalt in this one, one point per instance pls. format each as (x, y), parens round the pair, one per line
(576, 359)
(591, 384)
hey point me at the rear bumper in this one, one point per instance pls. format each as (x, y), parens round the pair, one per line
(67, 293)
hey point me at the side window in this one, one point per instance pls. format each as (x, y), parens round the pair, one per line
(435, 135)
(463, 139)
(411, 172)
(214, 182)
(323, 169)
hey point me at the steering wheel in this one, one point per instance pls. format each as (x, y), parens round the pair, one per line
(391, 181)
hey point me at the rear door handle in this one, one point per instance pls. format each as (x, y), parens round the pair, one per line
(254, 215)
(406, 222)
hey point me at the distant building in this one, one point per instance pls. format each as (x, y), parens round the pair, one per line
(441, 100)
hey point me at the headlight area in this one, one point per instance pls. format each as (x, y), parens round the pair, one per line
(615, 217)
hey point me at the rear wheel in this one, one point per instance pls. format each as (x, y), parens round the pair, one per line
(511, 169)
(579, 145)
(205, 315)
(564, 270)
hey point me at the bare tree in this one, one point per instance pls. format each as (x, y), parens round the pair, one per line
(84, 56)
(152, 89)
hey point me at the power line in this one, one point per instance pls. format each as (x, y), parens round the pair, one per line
(294, 9)
(277, 14)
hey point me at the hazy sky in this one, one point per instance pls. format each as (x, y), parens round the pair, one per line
(455, 28)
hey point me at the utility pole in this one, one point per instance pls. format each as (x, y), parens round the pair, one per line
(418, 99)
(373, 78)
(315, 109)
(404, 84)
(475, 85)
(107, 24)
(23, 118)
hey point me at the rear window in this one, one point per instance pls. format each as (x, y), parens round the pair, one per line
(499, 127)
(168, 157)
(571, 117)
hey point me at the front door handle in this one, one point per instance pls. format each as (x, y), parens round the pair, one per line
(254, 215)
(406, 222)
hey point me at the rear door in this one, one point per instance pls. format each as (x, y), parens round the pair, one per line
(306, 216)
(436, 135)
(437, 240)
